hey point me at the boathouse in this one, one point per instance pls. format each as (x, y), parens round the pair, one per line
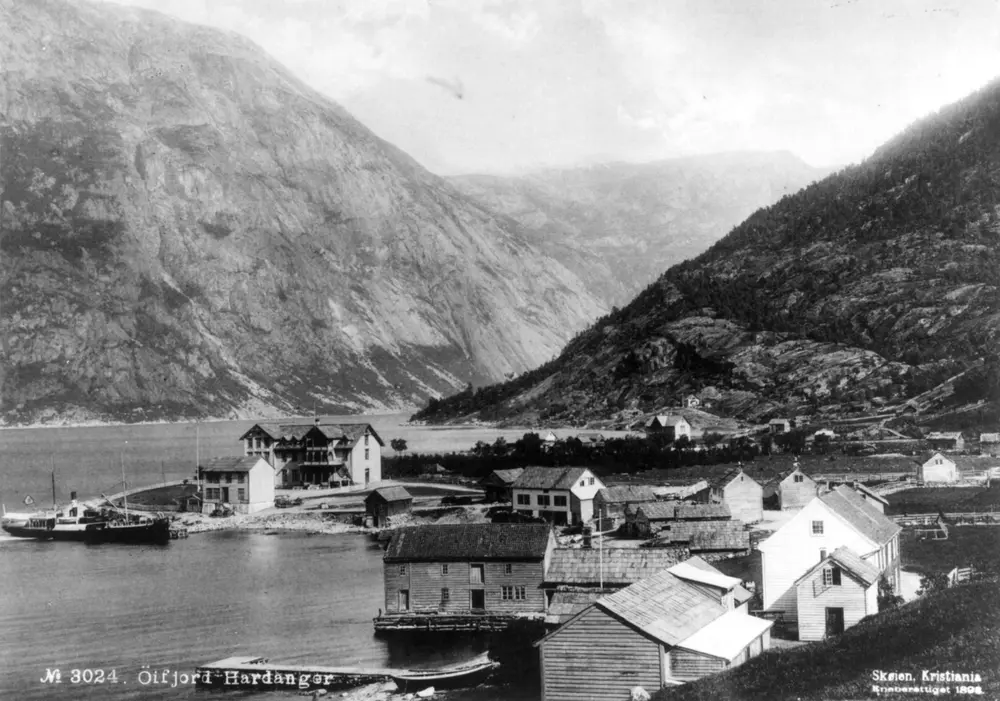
(675, 626)
(384, 503)
(481, 568)
(244, 482)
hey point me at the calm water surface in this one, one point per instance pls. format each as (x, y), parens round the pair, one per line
(291, 597)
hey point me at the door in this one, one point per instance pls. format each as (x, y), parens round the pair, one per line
(834, 621)
(478, 598)
(368, 475)
(225, 494)
(404, 599)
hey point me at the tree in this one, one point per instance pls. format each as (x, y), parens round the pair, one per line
(887, 598)
(711, 439)
(398, 444)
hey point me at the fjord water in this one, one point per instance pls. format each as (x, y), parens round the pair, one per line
(291, 597)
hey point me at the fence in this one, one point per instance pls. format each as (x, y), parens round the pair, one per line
(958, 518)
(959, 575)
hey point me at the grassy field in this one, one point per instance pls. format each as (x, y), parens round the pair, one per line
(965, 545)
(927, 500)
(956, 629)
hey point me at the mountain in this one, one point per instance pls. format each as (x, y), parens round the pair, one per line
(871, 286)
(189, 230)
(620, 225)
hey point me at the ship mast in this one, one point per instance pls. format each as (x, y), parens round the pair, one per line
(124, 486)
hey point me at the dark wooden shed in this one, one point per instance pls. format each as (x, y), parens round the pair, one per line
(386, 502)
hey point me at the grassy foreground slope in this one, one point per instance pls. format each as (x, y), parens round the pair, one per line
(955, 630)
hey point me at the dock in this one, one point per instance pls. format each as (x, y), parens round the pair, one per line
(457, 622)
(258, 673)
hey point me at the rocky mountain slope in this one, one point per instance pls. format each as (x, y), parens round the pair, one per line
(187, 229)
(870, 286)
(620, 225)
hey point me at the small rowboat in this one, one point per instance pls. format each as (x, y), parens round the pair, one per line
(451, 678)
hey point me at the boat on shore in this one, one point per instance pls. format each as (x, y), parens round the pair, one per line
(455, 677)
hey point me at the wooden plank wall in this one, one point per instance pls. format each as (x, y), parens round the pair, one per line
(688, 666)
(814, 598)
(598, 658)
(745, 500)
(425, 581)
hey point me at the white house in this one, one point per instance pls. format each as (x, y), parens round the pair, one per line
(989, 443)
(563, 495)
(937, 468)
(317, 451)
(244, 482)
(779, 425)
(673, 425)
(840, 518)
(835, 593)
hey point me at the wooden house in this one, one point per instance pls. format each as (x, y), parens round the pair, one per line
(481, 567)
(702, 512)
(989, 444)
(712, 539)
(937, 468)
(384, 503)
(680, 488)
(245, 483)
(840, 518)
(562, 495)
(591, 439)
(498, 484)
(645, 520)
(317, 451)
(877, 501)
(610, 502)
(741, 493)
(779, 426)
(661, 631)
(673, 426)
(794, 488)
(835, 593)
(946, 440)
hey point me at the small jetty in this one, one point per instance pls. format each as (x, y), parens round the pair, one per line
(258, 673)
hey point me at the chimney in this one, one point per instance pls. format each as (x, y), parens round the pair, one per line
(72, 496)
(316, 421)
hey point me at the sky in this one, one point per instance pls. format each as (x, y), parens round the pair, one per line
(507, 86)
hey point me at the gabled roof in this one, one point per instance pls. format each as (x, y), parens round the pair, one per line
(664, 607)
(566, 604)
(233, 463)
(944, 435)
(389, 494)
(548, 477)
(658, 510)
(725, 479)
(296, 429)
(726, 636)
(502, 477)
(620, 565)
(849, 562)
(665, 420)
(778, 421)
(862, 516)
(625, 493)
(708, 535)
(718, 512)
(474, 541)
(989, 437)
(859, 487)
(788, 472)
(590, 436)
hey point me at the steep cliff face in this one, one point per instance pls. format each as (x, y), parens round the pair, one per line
(620, 225)
(871, 285)
(189, 230)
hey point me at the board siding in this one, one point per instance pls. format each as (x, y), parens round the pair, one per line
(795, 495)
(425, 582)
(598, 658)
(688, 666)
(745, 500)
(814, 598)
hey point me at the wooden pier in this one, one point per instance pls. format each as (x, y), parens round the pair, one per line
(258, 673)
(457, 622)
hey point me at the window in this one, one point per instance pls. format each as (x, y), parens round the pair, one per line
(476, 573)
(512, 593)
(797, 478)
(508, 568)
(444, 569)
(817, 528)
(213, 478)
(367, 453)
(445, 595)
(229, 478)
(241, 478)
(831, 577)
(583, 483)
(591, 480)
(524, 499)
(213, 493)
(543, 500)
(402, 570)
(366, 440)
(241, 494)
(559, 501)
(822, 554)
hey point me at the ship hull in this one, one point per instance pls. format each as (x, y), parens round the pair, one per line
(157, 532)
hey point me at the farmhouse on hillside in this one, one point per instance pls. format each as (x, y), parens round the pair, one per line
(610, 502)
(675, 626)
(317, 451)
(937, 468)
(481, 567)
(673, 426)
(562, 495)
(244, 482)
(989, 444)
(778, 426)
(946, 440)
(741, 493)
(384, 503)
(497, 485)
(838, 519)
(835, 593)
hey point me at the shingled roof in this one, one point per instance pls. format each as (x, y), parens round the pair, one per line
(708, 535)
(624, 493)
(390, 494)
(296, 429)
(474, 541)
(658, 510)
(548, 477)
(862, 516)
(718, 512)
(621, 566)
(232, 463)
(850, 562)
(502, 477)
